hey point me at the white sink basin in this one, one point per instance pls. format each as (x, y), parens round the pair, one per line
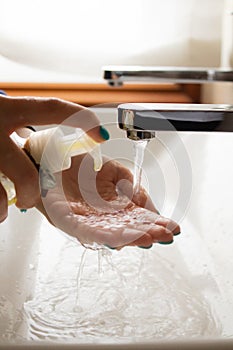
(169, 296)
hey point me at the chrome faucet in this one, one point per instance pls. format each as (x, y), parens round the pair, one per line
(117, 75)
(142, 120)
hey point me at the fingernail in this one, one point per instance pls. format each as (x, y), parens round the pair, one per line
(23, 210)
(176, 234)
(170, 242)
(108, 246)
(145, 247)
(104, 133)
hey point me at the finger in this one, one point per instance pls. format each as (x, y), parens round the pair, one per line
(85, 228)
(21, 171)
(124, 183)
(86, 234)
(88, 230)
(169, 224)
(124, 180)
(156, 231)
(3, 203)
(77, 226)
(118, 237)
(144, 241)
(161, 234)
(22, 111)
(143, 200)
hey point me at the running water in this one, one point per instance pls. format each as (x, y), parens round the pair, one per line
(136, 297)
(79, 276)
(139, 150)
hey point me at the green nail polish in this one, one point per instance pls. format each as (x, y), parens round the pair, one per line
(104, 133)
(108, 246)
(23, 210)
(170, 242)
(176, 234)
(145, 247)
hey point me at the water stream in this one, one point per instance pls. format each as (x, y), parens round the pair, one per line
(139, 149)
(79, 278)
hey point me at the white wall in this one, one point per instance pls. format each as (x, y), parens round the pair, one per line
(73, 39)
(223, 92)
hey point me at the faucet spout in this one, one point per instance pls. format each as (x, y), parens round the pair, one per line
(117, 75)
(142, 120)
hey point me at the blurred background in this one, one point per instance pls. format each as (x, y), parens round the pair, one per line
(68, 43)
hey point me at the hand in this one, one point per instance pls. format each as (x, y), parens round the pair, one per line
(19, 112)
(100, 207)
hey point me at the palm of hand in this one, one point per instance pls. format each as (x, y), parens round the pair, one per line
(100, 207)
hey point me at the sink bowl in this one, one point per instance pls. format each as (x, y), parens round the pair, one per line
(56, 294)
